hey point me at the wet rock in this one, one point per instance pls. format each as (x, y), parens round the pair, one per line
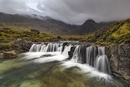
(121, 78)
(64, 44)
(120, 60)
(70, 53)
(108, 51)
(9, 55)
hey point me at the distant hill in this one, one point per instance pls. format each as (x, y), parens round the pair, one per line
(90, 26)
(47, 24)
(118, 33)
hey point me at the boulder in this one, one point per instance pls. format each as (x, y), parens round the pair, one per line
(22, 45)
(35, 31)
(9, 55)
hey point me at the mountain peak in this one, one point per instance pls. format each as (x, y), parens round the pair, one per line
(88, 26)
(89, 21)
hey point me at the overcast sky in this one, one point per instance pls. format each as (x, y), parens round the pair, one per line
(70, 11)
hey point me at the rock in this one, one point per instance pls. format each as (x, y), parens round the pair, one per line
(9, 55)
(35, 31)
(70, 53)
(64, 44)
(114, 49)
(114, 62)
(121, 78)
(108, 51)
(120, 59)
(22, 45)
(1, 55)
(124, 50)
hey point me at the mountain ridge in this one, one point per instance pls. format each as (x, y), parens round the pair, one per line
(47, 24)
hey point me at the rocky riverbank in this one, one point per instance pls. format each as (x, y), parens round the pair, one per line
(19, 46)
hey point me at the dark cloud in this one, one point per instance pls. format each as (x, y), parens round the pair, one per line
(70, 11)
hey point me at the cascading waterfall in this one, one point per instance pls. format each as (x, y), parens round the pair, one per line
(35, 48)
(66, 50)
(102, 64)
(46, 48)
(95, 57)
(90, 55)
(76, 55)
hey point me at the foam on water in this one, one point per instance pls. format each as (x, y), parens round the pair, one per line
(41, 57)
(90, 59)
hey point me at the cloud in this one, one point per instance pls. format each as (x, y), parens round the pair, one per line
(70, 11)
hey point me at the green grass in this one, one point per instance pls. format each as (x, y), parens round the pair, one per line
(9, 36)
(119, 33)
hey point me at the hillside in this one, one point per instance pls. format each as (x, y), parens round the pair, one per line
(48, 25)
(118, 33)
(43, 24)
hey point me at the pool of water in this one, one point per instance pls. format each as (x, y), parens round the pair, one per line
(51, 70)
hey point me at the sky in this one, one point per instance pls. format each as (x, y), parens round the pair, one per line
(70, 11)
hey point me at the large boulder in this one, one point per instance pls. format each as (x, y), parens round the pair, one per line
(22, 45)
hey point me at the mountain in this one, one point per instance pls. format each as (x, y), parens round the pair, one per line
(88, 26)
(47, 24)
(118, 33)
(44, 24)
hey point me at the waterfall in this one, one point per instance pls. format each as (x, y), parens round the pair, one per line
(101, 51)
(50, 47)
(35, 48)
(90, 55)
(76, 55)
(66, 50)
(95, 57)
(32, 48)
(102, 64)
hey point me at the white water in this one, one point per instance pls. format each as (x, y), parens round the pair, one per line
(102, 64)
(87, 69)
(95, 58)
(76, 56)
(66, 50)
(40, 57)
(46, 48)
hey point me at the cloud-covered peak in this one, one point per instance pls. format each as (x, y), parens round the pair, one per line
(70, 11)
